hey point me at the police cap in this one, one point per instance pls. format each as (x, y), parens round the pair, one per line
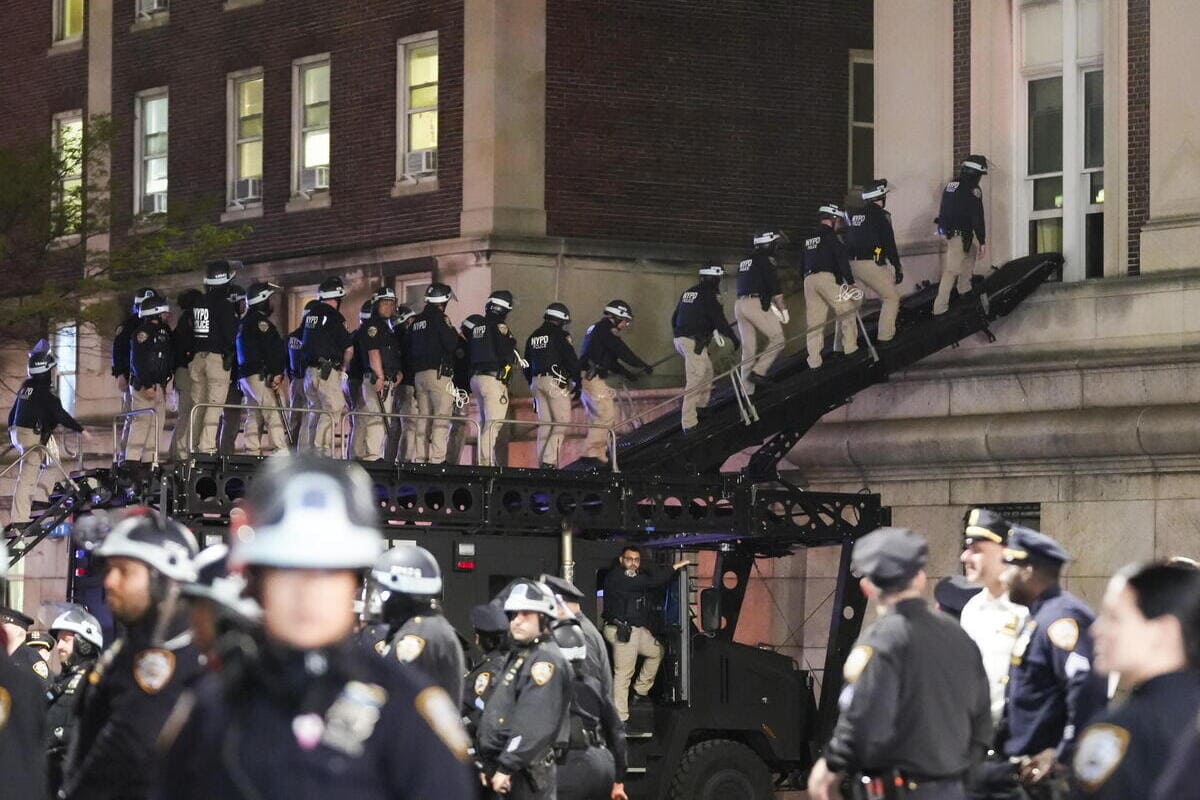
(985, 525)
(1026, 545)
(489, 618)
(39, 640)
(890, 557)
(563, 587)
(953, 592)
(14, 617)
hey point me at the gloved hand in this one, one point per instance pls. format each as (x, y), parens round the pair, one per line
(781, 314)
(899, 276)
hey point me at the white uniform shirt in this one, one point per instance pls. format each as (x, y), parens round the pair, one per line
(993, 623)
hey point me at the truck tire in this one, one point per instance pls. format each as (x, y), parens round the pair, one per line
(721, 769)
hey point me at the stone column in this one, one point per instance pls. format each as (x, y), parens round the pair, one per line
(504, 122)
(1171, 237)
(992, 132)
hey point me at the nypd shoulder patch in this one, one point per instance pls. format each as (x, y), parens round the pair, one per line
(372, 331)
(541, 672)
(482, 681)
(1098, 754)
(5, 707)
(41, 669)
(409, 647)
(856, 662)
(153, 669)
(264, 326)
(1063, 633)
(440, 714)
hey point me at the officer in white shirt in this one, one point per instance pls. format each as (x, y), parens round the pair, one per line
(990, 618)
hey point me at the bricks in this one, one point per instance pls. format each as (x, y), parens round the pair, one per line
(962, 80)
(696, 121)
(1138, 98)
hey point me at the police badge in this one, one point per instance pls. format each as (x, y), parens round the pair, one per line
(153, 668)
(541, 672)
(482, 681)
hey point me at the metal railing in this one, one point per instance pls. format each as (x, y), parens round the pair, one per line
(334, 417)
(120, 420)
(610, 430)
(50, 459)
(348, 415)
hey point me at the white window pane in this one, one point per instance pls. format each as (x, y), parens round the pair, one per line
(154, 115)
(422, 130)
(1090, 28)
(424, 97)
(155, 170)
(316, 116)
(316, 148)
(422, 64)
(250, 159)
(1042, 26)
(250, 97)
(66, 392)
(155, 145)
(316, 84)
(71, 18)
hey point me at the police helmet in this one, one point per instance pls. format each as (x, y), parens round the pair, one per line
(81, 623)
(830, 211)
(500, 301)
(568, 635)
(166, 548)
(140, 295)
(769, 237)
(41, 362)
(619, 309)
(236, 293)
(152, 306)
(875, 189)
(309, 512)
(530, 596)
(975, 163)
(365, 310)
(712, 271)
(402, 314)
(438, 294)
(220, 272)
(408, 569)
(260, 292)
(215, 583)
(383, 293)
(470, 322)
(557, 312)
(331, 289)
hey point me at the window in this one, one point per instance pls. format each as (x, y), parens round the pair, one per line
(66, 349)
(1045, 160)
(245, 139)
(1093, 172)
(417, 118)
(310, 147)
(861, 166)
(150, 145)
(410, 289)
(68, 20)
(148, 8)
(68, 197)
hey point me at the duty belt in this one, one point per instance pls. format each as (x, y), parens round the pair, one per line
(591, 738)
(755, 295)
(491, 373)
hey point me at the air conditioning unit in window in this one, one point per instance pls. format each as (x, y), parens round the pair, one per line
(248, 190)
(421, 162)
(154, 203)
(312, 178)
(147, 7)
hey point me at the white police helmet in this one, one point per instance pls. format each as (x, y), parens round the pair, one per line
(308, 512)
(530, 596)
(408, 569)
(79, 622)
(166, 547)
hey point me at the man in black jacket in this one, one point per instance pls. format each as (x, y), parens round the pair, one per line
(210, 332)
(120, 355)
(602, 354)
(431, 344)
(829, 287)
(760, 308)
(628, 616)
(22, 721)
(960, 216)
(553, 375)
(181, 341)
(874, 259)
(698, 319)
(327, 349)
(34, 415)
(262, 361)
(151, 365)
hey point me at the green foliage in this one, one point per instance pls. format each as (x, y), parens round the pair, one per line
(56, 217)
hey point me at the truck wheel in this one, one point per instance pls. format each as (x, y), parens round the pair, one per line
(721, 769)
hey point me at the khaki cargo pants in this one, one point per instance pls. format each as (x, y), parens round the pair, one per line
(31, 469)
(552, 402)
(882, 281)
(141, 442)
(698, 375)
(210, 384)
(752, 321)
(823, 295)
(600, 401)
(957, 269)
(323, 394)
(433, 398)
(260, 399)
(492, 395)
(625, 656)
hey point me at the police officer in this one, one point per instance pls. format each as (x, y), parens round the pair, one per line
(760, 308)
(22, 720)
(120, 354)
(16, 635)
(79, 640)
(432, 341)
(874, 258)
(597, 663)
(234, 414)
(698, 317)
(354, 379)
(36, 412)
(181, 343)
(1053, 692)
(131, 690)
(601, 355)
(151, 366)
(401, 435)
(1145, 631)
(262, 362)
(409, 582)
(210, 333)
(915, 710)
(828, 287)
(491, 637)
(595, 763)
(493, 349)
(527, 717)
(628, 623)
(327, 349)
(961, 217)
(215, 602)
(990, 618)
(381, 370)
(310, 713)
(297, 399)
(553, 375)
(462, 388)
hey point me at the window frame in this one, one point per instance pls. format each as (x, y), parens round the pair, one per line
(410, 279)
(141, 13)
(57, 36)
(857, 56)
(139, 157)
(68, 373)
(233, 82)
(299, 67)
(403, 112)
(56, 125)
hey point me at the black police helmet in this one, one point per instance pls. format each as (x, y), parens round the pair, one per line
(331, 288)
(438, 293)
(220, 272)
(619, 309)
(500, 301)
(975, 163)
(557, 312)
